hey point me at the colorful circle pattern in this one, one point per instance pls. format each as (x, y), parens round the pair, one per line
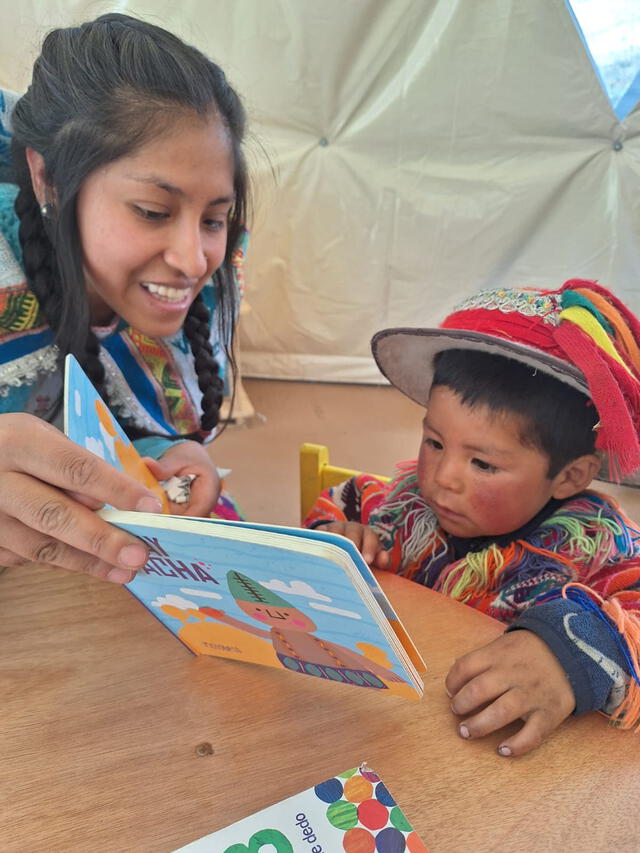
(360, 804)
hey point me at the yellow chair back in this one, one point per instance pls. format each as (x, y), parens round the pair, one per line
(317, 474)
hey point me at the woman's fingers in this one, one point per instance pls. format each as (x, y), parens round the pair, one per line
(204, 492)
(41, 520)
(33, 547)
(8, 558)
(49, 488)
(33, 447)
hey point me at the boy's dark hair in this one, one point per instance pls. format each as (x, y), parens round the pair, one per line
(99, 92)
(557, 419)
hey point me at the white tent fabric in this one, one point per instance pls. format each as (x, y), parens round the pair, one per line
(406, 153)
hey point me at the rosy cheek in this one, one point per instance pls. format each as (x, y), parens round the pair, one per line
(260, 616)
(490, 505)
(298, 623)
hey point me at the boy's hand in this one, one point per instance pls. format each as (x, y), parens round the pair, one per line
(364, 538)
(514, 677)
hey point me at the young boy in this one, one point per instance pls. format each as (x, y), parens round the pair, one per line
(527, 394)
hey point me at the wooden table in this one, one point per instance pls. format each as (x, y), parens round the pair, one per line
(105, 714)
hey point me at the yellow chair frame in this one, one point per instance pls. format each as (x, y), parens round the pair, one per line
(317, 474)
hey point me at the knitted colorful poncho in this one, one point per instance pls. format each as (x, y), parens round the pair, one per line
(579, 557)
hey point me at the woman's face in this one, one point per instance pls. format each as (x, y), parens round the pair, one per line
(153, 226)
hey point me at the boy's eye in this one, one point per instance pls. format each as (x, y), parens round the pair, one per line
(434, 443)
(482, 465)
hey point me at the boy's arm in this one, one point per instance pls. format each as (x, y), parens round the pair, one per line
(352, 500)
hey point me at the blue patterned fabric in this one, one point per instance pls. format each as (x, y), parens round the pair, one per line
(7, 101)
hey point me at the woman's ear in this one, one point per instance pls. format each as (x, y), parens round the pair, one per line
(575, 476)
(38, 173)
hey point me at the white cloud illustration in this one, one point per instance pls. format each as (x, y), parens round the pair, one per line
(294, 588)
(109, 441)
(77, 403)
(174, 601)
(348, 613)
(95, 446)
(201, 593)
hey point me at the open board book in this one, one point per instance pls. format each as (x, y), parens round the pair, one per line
(285, 597)
(353, 812)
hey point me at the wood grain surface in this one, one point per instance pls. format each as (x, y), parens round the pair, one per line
(115, 738)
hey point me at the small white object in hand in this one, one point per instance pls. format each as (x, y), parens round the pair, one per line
(178, 489)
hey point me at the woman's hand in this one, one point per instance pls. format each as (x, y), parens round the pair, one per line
(49, 487)
(364, 538)
(189, 457)
(514, 677)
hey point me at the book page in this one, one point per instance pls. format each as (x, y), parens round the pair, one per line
(248, 595)
(352, 812)
(89, 423)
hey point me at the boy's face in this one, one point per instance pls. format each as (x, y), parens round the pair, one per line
(474, 472)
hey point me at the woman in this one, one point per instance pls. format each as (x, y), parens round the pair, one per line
(131, 199)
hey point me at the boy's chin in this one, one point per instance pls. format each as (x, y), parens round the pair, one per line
(463, 528)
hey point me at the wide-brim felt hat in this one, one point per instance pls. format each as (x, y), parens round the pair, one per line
(405, 356)
(580, 334)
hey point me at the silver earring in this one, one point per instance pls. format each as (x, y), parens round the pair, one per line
(46, 210)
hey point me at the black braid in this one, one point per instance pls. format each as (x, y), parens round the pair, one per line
(196, 329)
(38, 254)
(43, 277)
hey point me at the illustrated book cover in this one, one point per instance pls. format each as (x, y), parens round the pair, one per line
(285, 597)
(352, 812)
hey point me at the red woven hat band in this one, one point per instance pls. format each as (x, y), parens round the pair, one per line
(511, 326)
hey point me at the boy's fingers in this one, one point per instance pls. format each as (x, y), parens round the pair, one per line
(382, 559)
(464, 669)
(536, 729)
(370, 545)
(502, 711)
(479, 691)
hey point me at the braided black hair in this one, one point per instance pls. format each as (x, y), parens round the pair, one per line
(98, 93)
